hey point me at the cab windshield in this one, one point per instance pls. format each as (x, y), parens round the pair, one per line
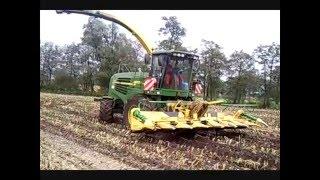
(172, 72)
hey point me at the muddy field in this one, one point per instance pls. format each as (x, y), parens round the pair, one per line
(71, 137)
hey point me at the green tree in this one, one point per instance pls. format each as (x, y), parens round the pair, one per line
(105, 49)
(212, 66)
(121, 52)
(95, 35)
(87, 68)
(95, 39)
(269, 57)
(63, 80)
(72, 59)
(50, 55)
(275, 91)
(240, 64)
(253, 82)
(173, 33)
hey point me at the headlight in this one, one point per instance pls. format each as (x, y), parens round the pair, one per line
(178, 54)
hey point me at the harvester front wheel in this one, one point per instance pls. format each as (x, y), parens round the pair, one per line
(106, 113)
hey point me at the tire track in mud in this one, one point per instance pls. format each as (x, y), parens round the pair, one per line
(262, 138)
(251, 137)
(213, 158)
(48, 152)
(224, 151)
(140, 140)
(221, 149)
(78, 156)
(106, 149)
(212, 152)
(250, 144)
(236, 151)
(170, 150)
(150, 148)
(63, 154)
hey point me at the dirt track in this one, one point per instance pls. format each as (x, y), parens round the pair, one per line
(72, 138)
(66, 154)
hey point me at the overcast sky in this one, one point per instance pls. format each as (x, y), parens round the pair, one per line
(233, 30)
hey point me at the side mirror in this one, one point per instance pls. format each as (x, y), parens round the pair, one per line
(147, 59)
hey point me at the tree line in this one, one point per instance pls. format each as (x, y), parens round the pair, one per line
(91, 62)
(79, 67)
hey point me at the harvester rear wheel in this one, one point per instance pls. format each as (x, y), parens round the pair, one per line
(133, 103)
(106, 110)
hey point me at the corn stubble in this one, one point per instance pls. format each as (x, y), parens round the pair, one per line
(75, 119)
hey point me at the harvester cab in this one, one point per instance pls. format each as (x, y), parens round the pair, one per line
(164, 97)
(172, 71)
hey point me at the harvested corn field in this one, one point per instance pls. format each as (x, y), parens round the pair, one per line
(72, 137)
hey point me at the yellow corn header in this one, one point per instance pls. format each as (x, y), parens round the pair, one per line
(189, 115)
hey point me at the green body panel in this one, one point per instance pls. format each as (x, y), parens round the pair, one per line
(128, 84)
(125, 91)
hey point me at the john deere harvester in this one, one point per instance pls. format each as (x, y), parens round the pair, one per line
(164, 97)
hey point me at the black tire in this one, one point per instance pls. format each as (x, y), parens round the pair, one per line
(118, 107)
(133, 103)
(106, 111)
